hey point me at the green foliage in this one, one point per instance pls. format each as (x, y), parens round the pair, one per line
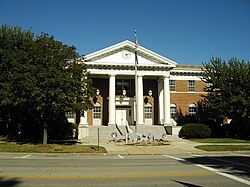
(195, 131)
(229, 88)
(40, 80)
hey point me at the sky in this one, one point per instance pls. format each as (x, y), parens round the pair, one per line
(189, 32)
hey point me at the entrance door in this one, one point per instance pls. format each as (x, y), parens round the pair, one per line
(123, 115)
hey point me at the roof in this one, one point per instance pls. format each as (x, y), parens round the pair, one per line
(143, 53)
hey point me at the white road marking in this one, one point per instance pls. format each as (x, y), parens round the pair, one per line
(215, 171)
(226, 161)
(225, 174)
(120, 156)
(26, 156)
(144, 163)
(229, 162)
(179, 159)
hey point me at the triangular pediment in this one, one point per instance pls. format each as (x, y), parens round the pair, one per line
(124, 54)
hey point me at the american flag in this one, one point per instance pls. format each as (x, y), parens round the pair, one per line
(136, 47)
(136, 42)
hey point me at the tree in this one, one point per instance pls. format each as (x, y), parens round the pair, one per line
(41, 76)
(229, 88)
(15, 78)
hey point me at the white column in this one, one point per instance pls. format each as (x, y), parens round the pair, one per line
(112, 120)
(83, 131)
(140, 106)
(166, 99)
(160, 103)
(83, 119)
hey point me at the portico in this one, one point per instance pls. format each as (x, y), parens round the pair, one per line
(113, 73)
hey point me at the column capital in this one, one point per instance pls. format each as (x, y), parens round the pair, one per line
(112, 75)
(166, 76)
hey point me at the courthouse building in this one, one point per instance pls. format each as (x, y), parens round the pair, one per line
(163, 88)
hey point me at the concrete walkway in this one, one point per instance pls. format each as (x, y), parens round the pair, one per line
(174, 145)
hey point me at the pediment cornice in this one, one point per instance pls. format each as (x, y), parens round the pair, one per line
(130, 46)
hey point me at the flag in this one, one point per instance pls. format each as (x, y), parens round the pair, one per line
(136, 47)
(136, 42)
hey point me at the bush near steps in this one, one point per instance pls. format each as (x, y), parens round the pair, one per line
(195, 131)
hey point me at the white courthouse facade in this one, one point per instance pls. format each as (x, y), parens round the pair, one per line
(158, 79)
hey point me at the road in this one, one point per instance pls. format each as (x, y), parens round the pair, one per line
(47, 170)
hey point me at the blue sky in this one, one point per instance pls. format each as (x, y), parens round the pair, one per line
(187, 31)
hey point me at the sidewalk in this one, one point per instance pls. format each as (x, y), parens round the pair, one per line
(175, 146)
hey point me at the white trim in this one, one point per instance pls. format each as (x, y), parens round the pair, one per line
(130, 45)
(188, 92)
(185, 77)
(125, 72)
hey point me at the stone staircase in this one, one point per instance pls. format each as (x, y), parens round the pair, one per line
(121, 131)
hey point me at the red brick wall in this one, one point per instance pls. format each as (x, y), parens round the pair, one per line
(182, 98)
(97, 99)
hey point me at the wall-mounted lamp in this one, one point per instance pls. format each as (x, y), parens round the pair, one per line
(124, 92)
(150, 93)
(97, 92)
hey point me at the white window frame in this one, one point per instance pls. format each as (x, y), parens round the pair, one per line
(192, 109)
(172, 85)
(97, 111)
(148, 114)
(191, 85)
(148, 111)
(173, 110)
(70, 116)
(97, 114)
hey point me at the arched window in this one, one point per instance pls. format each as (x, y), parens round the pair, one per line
(192, 109)
(173, 110)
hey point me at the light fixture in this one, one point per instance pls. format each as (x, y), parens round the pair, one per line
(124, 92)
(97, 92)
(150, 93)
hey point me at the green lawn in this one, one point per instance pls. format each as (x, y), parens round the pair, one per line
(224, 147)
(220, 140)
(223, 144)
(49, 148)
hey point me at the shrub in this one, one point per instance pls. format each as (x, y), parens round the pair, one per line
(195, 131)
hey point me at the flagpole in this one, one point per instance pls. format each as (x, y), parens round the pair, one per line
(136, 90)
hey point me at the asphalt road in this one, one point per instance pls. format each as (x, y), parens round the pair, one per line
(47, 170)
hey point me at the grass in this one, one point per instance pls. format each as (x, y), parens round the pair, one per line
(49, 148)
(236, 144)
(220, 140)
(224, 147)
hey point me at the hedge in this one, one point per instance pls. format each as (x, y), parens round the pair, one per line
(195, 131)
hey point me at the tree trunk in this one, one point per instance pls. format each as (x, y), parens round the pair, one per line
(45, 135)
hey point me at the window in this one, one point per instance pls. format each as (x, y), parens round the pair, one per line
(191, 86)
(172, 85)
(148, 111)
(97, 111)
(192, 109)
(69, 115)
(173, 110)
(123, 84)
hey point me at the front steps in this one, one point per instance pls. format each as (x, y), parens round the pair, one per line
(105, 132)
